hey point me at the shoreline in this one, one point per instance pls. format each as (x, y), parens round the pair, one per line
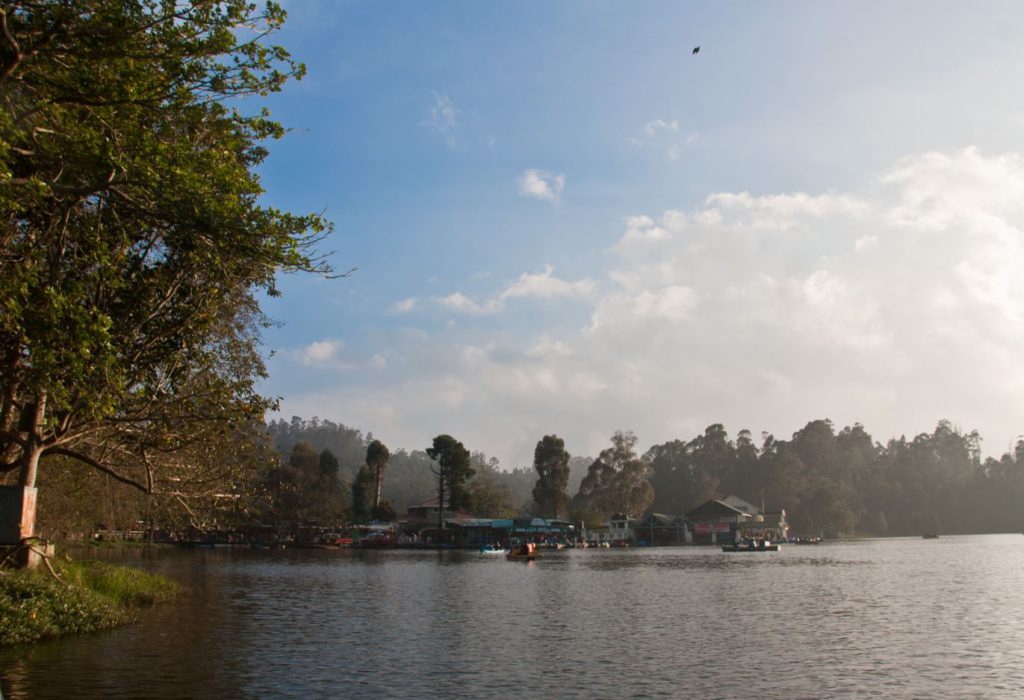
(90, 596)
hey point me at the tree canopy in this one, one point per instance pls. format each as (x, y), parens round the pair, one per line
(451, 467)
(134, 244)
(551, 461)
(617, 481)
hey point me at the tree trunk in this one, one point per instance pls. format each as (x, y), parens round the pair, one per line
(30, 461)
(440, 510)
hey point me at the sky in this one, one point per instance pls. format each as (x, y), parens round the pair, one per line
(564, 221)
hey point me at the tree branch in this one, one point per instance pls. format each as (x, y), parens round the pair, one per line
(85, 459)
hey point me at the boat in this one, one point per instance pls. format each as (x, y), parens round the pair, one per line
(379, 538)
(524, 552)
(490, 550)
(751, 547)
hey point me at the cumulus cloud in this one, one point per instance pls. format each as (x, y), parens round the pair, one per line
(541, 185)
(322, 353)
(457, 301)
(542, 285)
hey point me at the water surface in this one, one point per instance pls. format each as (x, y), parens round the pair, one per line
(875, 618)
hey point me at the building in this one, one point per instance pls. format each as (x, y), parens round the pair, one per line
(659, 529)
(621, 530)
(732, 518)
(715, 521)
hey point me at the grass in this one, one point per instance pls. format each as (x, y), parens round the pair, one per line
(89, 597)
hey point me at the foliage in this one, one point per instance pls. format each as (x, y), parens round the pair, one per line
(552, 464)
(362, 495)
(377, 456)
(348, 445)
(133, 246)
(617, 481)
(89, 597)
(305, 490)
(451, 467)
(490, 496)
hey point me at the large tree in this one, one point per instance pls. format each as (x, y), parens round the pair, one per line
(618, 481)
(133, 247)
(551, 461)
(377, 456)
(451, 466)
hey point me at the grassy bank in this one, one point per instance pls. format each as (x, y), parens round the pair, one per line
(89, 596)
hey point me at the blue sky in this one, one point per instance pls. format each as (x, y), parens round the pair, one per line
(565, 222)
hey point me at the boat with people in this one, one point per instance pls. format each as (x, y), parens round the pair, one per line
(752, 546)
(523, 551)
(492, 550)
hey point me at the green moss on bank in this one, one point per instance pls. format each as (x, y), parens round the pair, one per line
(90, 596)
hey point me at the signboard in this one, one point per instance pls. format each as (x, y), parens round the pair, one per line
(17, 513)
(708, 528)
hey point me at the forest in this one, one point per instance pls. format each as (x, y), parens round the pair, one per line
(830, 482)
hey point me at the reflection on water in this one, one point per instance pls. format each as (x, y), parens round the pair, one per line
(880, 618)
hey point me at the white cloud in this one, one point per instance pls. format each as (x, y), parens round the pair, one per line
(655, 125)
(783, 210)
(404, 306)
(457, 301)
(444, 118)
(543, 285)
(322, 353)
(541, 185)
(663, 134)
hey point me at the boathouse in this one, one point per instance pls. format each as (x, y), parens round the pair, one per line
(733, 518)
(715, 521)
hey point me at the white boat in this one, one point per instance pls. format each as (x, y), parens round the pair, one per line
(489, 550)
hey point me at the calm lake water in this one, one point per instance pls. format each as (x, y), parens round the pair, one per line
(874, 618)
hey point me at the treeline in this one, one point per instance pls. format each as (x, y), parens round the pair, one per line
(829, 482)
(408, 479)
(846, 482)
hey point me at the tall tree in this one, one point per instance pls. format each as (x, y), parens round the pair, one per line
(133, 247)
(551, 461)
(618, 481)
(362, 495)
(451, 467)
(377, 456)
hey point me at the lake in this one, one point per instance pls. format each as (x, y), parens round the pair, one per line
(870, 618)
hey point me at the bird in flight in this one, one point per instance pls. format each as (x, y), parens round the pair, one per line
(696, 50)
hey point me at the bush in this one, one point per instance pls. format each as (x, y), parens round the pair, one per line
(89, 597)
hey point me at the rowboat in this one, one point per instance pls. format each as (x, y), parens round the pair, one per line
(751, 547)
(524, 552)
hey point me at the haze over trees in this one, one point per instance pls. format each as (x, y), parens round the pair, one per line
(134, 247)
(618, 481)
(828, 480)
